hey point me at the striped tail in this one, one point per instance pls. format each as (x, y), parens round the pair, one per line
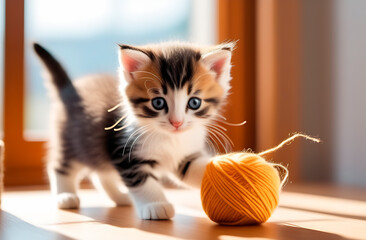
(59, 76)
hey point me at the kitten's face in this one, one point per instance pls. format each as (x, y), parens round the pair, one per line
(175, 88)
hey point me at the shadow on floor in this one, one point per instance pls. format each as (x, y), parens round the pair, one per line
(11, 227)
(362, 218)
(189, 227)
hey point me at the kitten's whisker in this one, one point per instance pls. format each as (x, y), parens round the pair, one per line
(210, 145)
(223, 134)
(115, 107)
(218, 139)
(219, 115)
(149, 89)
(128, 139)
(228, 144)
(148, 78)
(118, 121)
(133, 143)
(231, 124)
(224, 142)
(124, 147)
(151, 134)
(204, 74)
(219, 126)
(214, 144)
(196, 82)
(123, 127)
(212, 139)
(152, 75)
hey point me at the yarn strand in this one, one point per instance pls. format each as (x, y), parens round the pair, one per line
(287, 141)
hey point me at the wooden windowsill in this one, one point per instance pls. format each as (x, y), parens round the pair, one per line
(29, 213)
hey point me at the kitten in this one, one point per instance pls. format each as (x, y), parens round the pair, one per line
(168, 94)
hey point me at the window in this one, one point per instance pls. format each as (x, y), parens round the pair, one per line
(75, 35)
(84, 39)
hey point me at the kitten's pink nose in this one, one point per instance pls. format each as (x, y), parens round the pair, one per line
(176, 124)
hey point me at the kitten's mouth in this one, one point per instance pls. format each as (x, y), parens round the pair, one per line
(179, 130)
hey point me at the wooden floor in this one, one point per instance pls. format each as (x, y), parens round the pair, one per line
(305, 212)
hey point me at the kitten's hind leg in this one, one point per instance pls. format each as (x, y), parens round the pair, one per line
(64, 183)
(109, 181)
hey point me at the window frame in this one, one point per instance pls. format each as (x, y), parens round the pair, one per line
(23, 159)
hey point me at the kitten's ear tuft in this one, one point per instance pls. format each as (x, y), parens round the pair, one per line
(132, 59)
(219, 62)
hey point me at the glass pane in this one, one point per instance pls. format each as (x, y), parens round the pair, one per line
(2, 30)
(83, 35)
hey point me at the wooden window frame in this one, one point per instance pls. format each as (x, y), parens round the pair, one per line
(23, 159)
(266, 74)
(236, 22)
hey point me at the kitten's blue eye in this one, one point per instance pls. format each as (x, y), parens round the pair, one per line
(194, 103)
(158, 103)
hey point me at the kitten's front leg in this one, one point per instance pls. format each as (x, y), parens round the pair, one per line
(192, 168)
(148, 196)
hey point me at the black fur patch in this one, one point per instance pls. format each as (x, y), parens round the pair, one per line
(61, 171)
(148, 53)
(148, 113)
(121, 151)
(190, 86)
(131, 173)
(185, 163)
(137, 101)
(165, 90)
(202, 113)
(178, 68)
(214, 101)
(59, 76)
(155, 91)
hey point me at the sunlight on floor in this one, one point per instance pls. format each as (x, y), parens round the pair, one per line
(32, 213)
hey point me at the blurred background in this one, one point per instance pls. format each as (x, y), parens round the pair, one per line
(299, 66)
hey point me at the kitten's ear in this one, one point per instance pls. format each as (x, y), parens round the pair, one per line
(219, 62)
(132, 60)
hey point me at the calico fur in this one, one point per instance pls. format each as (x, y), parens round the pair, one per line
(151, 143)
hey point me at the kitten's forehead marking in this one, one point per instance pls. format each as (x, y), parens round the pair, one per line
(177, 67)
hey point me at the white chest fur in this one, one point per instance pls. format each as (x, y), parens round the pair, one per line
(170, 149)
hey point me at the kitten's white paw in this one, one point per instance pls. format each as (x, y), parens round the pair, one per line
(123, 199)
(156, 211)
(67, 201)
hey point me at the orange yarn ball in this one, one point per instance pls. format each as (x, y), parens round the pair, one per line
(239, 189)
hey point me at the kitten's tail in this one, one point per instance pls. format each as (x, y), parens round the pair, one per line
(59, 76)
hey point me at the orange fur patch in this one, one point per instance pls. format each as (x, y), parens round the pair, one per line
(204, 81)
(145, 81)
